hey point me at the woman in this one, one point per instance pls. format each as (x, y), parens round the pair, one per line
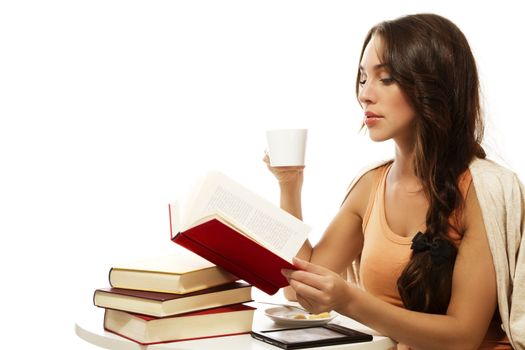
(415, 227)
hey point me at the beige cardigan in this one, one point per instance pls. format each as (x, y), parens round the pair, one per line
(501, 197)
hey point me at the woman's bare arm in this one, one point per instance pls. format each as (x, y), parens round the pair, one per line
(342, 241)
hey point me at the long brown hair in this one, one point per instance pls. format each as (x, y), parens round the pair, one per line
(430, 59)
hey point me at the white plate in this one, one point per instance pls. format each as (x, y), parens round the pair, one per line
(285, 316)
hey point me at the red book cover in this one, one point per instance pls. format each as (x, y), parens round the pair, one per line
(236, 253)
(217, 310)
(158, 296)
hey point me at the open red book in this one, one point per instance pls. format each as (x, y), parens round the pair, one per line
(239, 231)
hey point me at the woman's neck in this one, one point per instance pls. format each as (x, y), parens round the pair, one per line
(403, 170)
(404, 159)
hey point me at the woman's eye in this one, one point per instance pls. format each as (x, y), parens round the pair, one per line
(387, 81)
(362, 82)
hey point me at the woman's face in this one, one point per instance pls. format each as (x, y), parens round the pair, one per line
(388, 115)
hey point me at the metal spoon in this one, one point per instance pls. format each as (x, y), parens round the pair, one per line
(284, 305)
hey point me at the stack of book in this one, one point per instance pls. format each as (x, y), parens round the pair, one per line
(177, 297)
(225, 233)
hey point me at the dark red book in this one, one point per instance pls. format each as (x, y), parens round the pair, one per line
(239, 231)
(236, 253)
(168, 304)
(146, 330)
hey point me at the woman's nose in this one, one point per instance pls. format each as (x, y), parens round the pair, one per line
(366, 94)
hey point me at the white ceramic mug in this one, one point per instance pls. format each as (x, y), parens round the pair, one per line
(287, 147)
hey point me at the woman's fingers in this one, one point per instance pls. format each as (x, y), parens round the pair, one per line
(312, 299)
(306, 288)
(309, 305)
(266, 158)
(309, 274)
(295, 168)
(314, 281)
(317, 288)
(307, 266)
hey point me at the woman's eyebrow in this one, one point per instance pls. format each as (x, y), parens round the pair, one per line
(376, 67)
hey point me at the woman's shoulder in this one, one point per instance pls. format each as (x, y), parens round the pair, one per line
(368, 173)
(366, 178)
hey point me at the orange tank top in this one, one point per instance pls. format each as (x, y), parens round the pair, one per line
(385, 254)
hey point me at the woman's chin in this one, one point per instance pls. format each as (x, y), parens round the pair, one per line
(377, 137)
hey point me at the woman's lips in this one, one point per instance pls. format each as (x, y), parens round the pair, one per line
(371, 119)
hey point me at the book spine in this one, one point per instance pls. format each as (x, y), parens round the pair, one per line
(220, 260)
(109, 277)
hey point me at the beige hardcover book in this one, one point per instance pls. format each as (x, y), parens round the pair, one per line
(222, 321)
(181, 272)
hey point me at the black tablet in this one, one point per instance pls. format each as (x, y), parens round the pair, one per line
(299, 338)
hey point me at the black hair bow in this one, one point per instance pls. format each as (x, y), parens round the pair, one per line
(441, 250)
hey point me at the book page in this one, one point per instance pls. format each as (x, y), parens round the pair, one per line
(175, 218)
(259, 219)
(188, 202)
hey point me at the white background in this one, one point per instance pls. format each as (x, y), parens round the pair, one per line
(109, 109)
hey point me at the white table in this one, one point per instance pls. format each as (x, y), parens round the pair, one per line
(90, 328)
